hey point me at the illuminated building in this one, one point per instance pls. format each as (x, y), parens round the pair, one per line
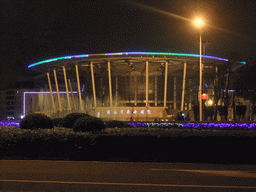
(127, 85)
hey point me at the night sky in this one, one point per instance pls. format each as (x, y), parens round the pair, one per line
(32, 31)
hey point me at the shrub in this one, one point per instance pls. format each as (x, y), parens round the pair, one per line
(89, 124)
(57, 122)
(69, 120)
(116, 123)
(36, 121)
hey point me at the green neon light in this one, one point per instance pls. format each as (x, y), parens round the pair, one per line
(129, 53)
(55, 59)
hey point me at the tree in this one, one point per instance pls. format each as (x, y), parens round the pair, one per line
(244, 83)
(224, 78)
(222, 86)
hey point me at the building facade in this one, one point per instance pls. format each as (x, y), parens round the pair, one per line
(11, 104)
(126, 86)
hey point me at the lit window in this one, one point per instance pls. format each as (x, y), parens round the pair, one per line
(122, 111)
(98, 114)
(142, 112)
(148, 112)
(108, 111)
(115, 112)
(128, 111)
(135, 111)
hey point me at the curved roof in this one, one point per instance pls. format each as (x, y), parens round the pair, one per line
(125, 62)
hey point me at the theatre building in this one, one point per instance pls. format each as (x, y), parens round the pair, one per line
(142, 86)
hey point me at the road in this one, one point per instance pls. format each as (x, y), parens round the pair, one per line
(45, 175)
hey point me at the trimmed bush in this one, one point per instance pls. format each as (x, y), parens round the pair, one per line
(116, 123)
(57, 122)
(36, 121)
(89, 124)
(69, 120)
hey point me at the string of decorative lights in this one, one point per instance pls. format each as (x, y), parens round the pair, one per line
(10, 123)
(196, 125)
(171, 124)
(130, 53)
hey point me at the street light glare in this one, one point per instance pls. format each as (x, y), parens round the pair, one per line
(199, 22)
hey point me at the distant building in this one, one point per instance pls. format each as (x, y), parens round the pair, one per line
(27, 97)
(11, 104)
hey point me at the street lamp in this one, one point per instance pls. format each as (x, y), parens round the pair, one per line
(199, 23)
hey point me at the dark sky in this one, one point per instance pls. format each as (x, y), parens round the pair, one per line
(32, 31)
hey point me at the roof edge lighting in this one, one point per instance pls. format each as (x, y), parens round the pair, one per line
(242, 62)
(131, 53)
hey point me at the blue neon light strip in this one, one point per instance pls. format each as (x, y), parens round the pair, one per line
(180, 125)
(55, 59)
(2, 123)
(196, 125)
(130, 53)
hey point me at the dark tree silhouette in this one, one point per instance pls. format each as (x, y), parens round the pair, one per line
(245, 82)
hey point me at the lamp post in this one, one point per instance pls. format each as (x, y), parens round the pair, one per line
(199, 24)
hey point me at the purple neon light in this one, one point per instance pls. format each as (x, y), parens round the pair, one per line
(170, 124)
(131, 53)
(220, 125)
(45, 92)
(10, 123)
(196, 125)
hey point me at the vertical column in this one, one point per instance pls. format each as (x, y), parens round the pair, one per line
(200, 82)
(72, 94)
(128, 89)
(135, 92)
(183, 87)
(50, 87)
(155, 90)
(66, 85)
(146, 83)
(116, 91)
(190, 94)
(57, 88)
(102, 92)
(165, 83)
(216, 97)
(93, 86)
(79, 88)
(110, 85)
(174, 93)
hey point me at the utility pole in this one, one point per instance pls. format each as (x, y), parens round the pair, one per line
(204, 43)
(216, 92)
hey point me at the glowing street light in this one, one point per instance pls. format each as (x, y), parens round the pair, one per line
(199, 24)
